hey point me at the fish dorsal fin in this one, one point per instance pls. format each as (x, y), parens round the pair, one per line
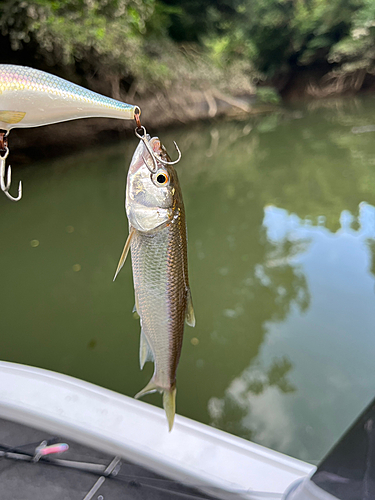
(189, 315)
(124, 252)
(145, 353)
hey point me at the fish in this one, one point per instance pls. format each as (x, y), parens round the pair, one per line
(158, 245)
(32, 98)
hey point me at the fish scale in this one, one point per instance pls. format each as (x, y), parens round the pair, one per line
(160, 288)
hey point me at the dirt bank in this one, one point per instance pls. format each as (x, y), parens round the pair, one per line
(177, 107)
(158, 111)
(322, 81)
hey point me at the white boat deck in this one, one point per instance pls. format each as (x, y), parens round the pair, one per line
(193, 454)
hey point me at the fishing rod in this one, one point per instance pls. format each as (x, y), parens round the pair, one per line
(112, 471)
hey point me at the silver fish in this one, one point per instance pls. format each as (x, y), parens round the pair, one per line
(158, 243)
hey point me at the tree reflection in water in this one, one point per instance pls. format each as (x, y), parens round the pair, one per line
(332, 323)
(288, 283)
(230, 412)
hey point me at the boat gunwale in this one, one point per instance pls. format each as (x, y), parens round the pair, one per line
(193, 453)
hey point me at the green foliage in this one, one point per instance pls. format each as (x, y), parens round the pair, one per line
(283, 33)
(268, 95)
(114, 35)
(152, 41)
(120, 40)
(357, 50)
(278, 36)
(319, 24)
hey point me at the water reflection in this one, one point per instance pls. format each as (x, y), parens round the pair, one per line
(231, 413)
(321, 343)
(282, 263)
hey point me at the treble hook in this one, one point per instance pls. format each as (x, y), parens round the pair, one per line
(155, 159)
(6, 185)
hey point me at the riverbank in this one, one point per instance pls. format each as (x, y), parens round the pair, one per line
(183, 62)
(160, 111)
(323, 82)
(182, 104)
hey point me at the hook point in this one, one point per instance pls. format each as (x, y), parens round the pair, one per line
(6, 185)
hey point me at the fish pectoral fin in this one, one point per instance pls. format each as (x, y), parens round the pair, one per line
(150, 388)
(189, 315)
(145, 353)
(169, 404)
(124, 252)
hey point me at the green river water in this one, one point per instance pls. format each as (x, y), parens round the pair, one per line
(281, 223)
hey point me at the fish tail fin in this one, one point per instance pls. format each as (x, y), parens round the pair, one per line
(169, 399)
(169, 404)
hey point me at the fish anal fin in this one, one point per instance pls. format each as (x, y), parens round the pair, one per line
(189, 315)
(150, 388)
(169, 404)
(145, 353)
(124, 252)
(169, 399)
(11, 116)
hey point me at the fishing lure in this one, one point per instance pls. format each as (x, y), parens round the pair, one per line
(32, 98)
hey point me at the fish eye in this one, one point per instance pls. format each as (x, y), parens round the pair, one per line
(162, 179)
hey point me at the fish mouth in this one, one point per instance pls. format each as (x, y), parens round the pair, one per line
(159, 149)
(142, 157)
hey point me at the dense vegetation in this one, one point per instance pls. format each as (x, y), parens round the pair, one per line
(140, 46)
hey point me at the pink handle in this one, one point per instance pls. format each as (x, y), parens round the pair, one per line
(54, 448)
